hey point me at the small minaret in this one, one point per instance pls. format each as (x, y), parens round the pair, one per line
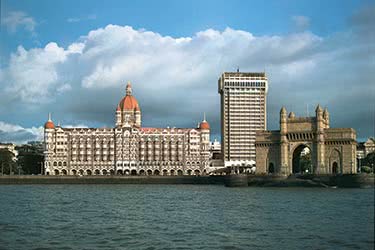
(326, 117)
(320, 140)
(284, 142)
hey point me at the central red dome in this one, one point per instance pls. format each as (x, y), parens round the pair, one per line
(128, 103)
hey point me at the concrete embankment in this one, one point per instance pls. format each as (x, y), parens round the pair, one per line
(341, 181)
(39, 179)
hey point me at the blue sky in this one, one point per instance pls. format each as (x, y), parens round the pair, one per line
(48, 62)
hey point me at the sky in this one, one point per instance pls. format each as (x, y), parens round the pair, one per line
(74, 58)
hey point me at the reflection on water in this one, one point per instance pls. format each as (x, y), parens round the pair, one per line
(184, 217)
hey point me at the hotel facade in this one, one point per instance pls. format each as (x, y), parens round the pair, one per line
(243, 113)
(128, 148)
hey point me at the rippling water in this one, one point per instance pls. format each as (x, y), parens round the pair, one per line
(184, 217)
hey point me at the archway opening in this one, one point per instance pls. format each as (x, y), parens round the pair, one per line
(89, 172)
(81, 171)
(57, 172)
(172, 172)
(74, 172)
(142, 172)
(64, 172)
(189, 172)
(335, 168)
(97, 172)
(119, 172)
(197, 172)
(156, 172)
(179, 172)
(149, 172)
(105, 172)
(165, 172)
(133, 172)
(271, 168)
(302, 160)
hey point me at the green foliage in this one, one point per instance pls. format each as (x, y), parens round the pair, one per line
(366, 169)
(6, 161)
(369, 160)
(29, 159)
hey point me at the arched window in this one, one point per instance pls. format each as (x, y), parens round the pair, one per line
(271, 168)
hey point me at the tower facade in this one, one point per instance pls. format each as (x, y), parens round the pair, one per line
(243, 112)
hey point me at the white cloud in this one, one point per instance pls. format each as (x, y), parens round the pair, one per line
(301, 22)
(175, 79)
(18, 134)
(14, 20)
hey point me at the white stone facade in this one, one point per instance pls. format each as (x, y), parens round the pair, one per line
(127, 149)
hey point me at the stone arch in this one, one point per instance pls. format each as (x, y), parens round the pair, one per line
(133, 172)
(74, 172)
(297, 166)
(88, 172)
(56, 172)
(149, 172)
(64, 172)
(172, 172)
(188, 172)
(142, 172)
(156, 172)
(81, 172)
(165, 172)
(271, 168)
(104, 172)
(335, 161)
(197, 172)
(97, 172)
(120, 172)
(180, 172)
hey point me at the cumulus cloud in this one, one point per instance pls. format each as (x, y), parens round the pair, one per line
(18, 134)
(13, 20)
(175, 79)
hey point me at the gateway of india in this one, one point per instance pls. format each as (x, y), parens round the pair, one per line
(128, 148)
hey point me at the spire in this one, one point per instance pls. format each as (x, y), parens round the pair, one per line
(49, 117)
(204, 116)
(128, 89)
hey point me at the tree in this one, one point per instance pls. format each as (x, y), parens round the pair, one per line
(6, 161)
(369, 161)
(30, 159)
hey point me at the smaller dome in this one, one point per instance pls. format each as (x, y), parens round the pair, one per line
(292, 115)
(204, 125)
(49, 125)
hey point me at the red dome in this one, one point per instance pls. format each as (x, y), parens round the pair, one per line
(49, 125)
(128, 103)
(204, 125)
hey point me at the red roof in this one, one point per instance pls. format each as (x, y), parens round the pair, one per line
(49, 125)
(204, 125)
(128, 103)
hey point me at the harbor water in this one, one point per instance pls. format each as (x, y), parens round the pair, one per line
(184, 217)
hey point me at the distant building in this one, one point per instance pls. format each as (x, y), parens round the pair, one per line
(128, 148)
(243, 113)
(365, 148)
(11, 148)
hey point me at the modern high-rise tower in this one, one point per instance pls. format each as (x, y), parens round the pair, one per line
(243, 112)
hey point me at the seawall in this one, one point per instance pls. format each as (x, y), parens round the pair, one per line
(341, 181)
